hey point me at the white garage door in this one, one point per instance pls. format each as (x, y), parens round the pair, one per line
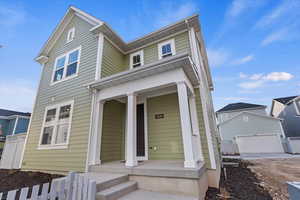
(12, 152)
(267, 143)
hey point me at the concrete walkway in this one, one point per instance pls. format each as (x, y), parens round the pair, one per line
(263, 156)
(148, 195)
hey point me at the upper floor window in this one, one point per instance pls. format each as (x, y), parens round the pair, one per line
(57, 124)
(71, 34)
(166, 48)
(137, 59)
(66, 66)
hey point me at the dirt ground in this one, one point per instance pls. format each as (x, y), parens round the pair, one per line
(274, 173)
(263, 179)
(15, 179)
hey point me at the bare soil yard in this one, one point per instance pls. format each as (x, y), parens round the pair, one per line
(262, 179)
(15, 179)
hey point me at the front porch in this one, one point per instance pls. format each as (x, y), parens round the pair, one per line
(152, 168)
(147, 113)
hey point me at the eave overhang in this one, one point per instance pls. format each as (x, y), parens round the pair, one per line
(178, 61)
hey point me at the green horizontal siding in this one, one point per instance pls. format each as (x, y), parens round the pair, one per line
(113, 131)
(73, 158)
(165, 133)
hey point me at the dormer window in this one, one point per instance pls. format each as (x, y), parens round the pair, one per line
(137, 59)
(71, 35)
(166, 49)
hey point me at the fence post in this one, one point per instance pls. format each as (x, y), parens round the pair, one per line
(70, 185)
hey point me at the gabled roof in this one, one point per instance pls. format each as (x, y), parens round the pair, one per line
(100, 26)
(240, 106)
(7, 113)
(285, 100)
(249, 113)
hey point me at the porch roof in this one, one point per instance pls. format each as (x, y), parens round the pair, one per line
(183, 61)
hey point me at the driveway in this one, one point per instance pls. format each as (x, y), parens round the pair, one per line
(263, 156)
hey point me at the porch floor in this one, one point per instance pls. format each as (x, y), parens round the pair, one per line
(157, 168)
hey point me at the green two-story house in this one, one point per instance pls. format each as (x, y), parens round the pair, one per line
(103, 102)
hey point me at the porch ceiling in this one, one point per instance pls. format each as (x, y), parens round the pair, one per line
(178, 61)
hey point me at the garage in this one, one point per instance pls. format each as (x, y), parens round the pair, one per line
(262, 143)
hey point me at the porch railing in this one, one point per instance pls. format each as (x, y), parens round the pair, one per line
(73, 187)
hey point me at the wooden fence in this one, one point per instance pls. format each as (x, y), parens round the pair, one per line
(73, 187)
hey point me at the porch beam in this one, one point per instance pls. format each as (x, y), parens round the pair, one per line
(131, 159)
(186, 128)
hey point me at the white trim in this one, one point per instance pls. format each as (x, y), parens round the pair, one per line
(15, 126)
(171, 42)
(90, 131)
(114, 44)
(59, 29)
(52, 145)
(30, 120)
(141, 53)
(297, 106)
(66, 55)
(156, 41)
(14, 116)
(71, 31)
(99, 56)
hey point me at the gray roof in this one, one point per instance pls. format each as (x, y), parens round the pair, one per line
(239, 106)
(285, 100)
(7, 113)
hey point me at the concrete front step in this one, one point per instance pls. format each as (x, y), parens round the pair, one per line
(149, 195)
(107, 180)
(117, 191)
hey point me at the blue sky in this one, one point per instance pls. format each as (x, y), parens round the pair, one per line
(253, 45)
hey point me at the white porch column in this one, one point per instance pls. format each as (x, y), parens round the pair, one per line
(195, 127)
(186, 128)
(96, 133)
(131, 159)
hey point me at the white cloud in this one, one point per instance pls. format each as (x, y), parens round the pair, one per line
(259, 80)
(17, 95)
(172, 12)
(217, 57)
(243, 60)
(238, 7)
(256, 77)
(11, 15)
(251, 84)
(278, 35)
(286, 9)
(243, 75)
(235, 98)
(278, 76)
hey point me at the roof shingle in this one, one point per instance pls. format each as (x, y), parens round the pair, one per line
(6, 113)
(285, 100)
(239, 106)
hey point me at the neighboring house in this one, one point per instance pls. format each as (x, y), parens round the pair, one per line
(13, 122)
(101, 100)
(246, 128)
(288, 109)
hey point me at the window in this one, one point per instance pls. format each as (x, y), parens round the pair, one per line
(71, 35)
(57, 125)
(166, 49)
(66, 66)
(137, 59)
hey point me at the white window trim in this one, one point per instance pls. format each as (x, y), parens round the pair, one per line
(297, 106)
(141, 53)
(71, 30)
(52, 145)
(64, 78)
(171, 42)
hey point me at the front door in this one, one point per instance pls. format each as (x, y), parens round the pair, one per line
(140, 132)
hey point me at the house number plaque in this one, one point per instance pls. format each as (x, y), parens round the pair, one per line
(159, 116)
